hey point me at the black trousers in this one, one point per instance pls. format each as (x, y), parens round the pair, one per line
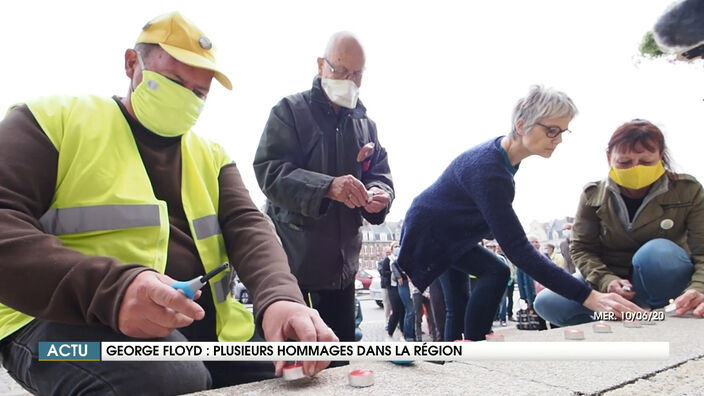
(336, 308)
(398, 311)
(20, 358)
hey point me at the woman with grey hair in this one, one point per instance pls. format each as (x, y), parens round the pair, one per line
(472, 199)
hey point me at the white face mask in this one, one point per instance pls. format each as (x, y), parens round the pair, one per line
(341, 92)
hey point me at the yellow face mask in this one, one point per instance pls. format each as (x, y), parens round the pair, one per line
(638, 176)
(163, 106)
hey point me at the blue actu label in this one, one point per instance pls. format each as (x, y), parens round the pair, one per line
(73, 351)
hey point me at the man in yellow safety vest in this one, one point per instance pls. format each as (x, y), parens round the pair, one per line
(106, 202)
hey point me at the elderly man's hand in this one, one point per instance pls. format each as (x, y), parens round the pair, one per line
(152, 308)
(690, 300)
(289, 320)
(348, 190)
(379, 201)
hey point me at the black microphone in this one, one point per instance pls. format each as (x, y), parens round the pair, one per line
(681, 29)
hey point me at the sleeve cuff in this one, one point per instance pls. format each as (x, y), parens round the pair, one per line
(605, 280)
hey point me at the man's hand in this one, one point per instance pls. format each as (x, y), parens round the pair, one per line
(152, 308)
(289, 320)
(610, 302)
(348, 190)
(617, 286)
(379, 201)
(690, 300)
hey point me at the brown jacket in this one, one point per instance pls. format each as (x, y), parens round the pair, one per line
(44, 279)
(604, 240)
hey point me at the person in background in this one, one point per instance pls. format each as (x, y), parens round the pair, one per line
(639, 233)
(473, 198)
(404, 293)
(322, 169)
(437, 303)
(526, 284)
(384, 268)
(421, 300)
(358, 318)
(565, 249)
(106, 202)
(398, 311)
(555, 256)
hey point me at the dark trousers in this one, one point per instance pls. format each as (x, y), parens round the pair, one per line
(409, 319)
(526, 286)
(509, 298)
(20, 358)
(398, 311)
(487, 289)
(455, 290)
(420, 301)
(336, 308)
(437, 301)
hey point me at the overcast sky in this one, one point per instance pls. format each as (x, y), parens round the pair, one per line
(441, 76)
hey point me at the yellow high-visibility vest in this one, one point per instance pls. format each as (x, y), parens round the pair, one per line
(104, 204)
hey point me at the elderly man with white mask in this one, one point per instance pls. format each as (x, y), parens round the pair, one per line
(322, 169)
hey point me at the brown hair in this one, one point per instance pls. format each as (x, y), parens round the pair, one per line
(634, 132)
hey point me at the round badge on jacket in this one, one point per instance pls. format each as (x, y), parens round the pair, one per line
(666, 224)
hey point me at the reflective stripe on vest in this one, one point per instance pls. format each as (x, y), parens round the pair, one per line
(119, 216)
(206, 226)
(99, 218)
(223, 287)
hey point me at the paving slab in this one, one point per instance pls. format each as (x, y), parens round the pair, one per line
(8, 386)
(391, 379)
(680, 373)
(681, 380)
(591, 377)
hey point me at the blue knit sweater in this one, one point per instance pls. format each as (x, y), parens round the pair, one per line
(471, 200)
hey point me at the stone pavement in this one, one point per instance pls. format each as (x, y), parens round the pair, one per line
(679, 374)
(8, 387)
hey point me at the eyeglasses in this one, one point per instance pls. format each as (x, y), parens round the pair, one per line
(344, 73)
(553, 132)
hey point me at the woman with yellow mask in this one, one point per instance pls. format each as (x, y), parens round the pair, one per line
(639, 233)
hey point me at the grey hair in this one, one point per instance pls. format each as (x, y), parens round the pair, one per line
(145, 49)
(541, 103)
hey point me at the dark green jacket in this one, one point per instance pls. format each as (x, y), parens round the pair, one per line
(305, 144)
(604, 240)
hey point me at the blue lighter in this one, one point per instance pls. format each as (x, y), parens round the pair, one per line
(192, 286)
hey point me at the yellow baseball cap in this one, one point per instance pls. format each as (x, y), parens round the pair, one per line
(184, 41)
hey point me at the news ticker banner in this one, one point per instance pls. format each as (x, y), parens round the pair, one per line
(302, 351)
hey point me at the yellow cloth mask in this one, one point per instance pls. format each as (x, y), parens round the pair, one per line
(638, 176)
(163, 106)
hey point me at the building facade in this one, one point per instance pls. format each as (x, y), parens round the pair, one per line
(376, 240)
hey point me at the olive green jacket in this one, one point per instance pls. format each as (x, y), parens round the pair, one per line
(604, 240)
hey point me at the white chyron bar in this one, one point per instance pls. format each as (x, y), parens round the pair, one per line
(379, 351)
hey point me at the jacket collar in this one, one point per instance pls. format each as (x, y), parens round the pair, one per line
(641, 217)
(318, 96)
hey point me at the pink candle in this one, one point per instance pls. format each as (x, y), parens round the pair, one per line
(361, 378)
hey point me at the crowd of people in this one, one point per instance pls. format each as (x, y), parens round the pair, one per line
(430, 306)
(106, 202)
